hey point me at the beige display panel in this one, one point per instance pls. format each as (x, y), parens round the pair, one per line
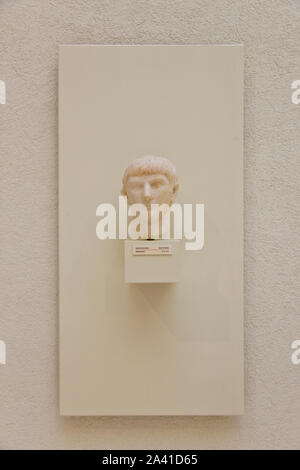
(150, 348)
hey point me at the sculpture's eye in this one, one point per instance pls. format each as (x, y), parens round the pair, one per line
(136, 186)
(156, 184)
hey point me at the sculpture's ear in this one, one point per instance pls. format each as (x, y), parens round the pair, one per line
(175, 189)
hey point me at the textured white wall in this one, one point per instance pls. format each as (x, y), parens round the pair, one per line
(29, 36)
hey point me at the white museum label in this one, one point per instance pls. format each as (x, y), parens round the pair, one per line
(152, 250)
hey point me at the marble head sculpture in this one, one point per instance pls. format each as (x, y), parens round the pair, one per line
(150, 180)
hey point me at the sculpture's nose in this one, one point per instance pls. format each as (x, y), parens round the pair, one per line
(147, 191)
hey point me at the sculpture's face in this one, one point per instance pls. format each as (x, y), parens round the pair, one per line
(150, 180)
(149, 189)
